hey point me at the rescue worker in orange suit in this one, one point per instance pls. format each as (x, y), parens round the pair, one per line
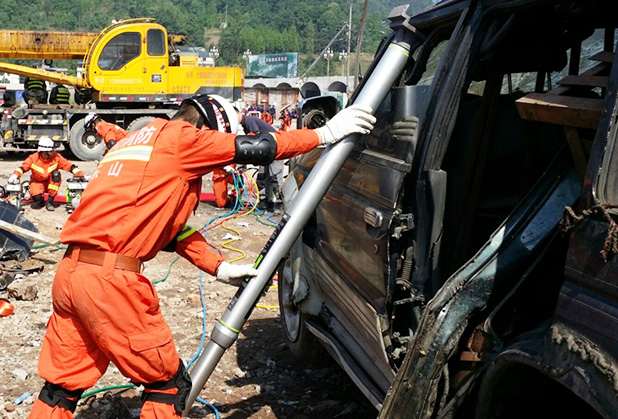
(267, 117)
(222, 177)
(111, 133)
(137, 203)
(45, 165)
(286, 121)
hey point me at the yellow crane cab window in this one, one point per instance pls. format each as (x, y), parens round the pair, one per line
(156, 42)
(120, 50)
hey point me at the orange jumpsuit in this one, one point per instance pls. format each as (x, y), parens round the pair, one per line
(139, 198)
(41, 178)
(267, 117)
(220, 180)
(110, 132)
(287, 122)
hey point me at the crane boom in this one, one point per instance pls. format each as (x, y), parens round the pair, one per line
(43, 74)
(62, 45)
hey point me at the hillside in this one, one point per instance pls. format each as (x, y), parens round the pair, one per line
(234, 26)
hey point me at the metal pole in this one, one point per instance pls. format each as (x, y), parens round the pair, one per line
(347, 65)
(359, 43)
(375, 89)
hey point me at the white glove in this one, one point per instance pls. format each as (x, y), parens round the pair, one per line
(87, 178)
(13, 178)
(229, 170)
(89, 120)
(356, 119)
(227, 272)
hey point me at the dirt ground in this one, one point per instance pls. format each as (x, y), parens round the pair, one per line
(257, 377)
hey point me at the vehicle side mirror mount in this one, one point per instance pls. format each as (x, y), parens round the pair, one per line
(315, 111)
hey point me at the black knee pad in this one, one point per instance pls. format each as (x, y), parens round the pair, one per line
(181, 381)
(37, 198)
(55, 176)
(55, 395)
(259, 149)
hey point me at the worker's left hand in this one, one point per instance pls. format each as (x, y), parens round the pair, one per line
(228, 169)
(233, 274)
(13, 178)
(356, 119)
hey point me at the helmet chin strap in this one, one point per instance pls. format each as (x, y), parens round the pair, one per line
(200, 122)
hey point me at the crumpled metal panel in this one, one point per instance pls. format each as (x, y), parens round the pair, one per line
(13, 246)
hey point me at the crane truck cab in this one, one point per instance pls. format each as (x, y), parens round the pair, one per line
(133, 60)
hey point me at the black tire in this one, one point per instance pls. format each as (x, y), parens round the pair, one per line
(86, 145)
(302, 343)
(140, 123)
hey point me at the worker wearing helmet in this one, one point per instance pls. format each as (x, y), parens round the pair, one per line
(137, 204)
(45, 165)
(111, 133)
(222, 177)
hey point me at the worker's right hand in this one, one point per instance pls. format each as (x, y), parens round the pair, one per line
(233, 274)
(89, 120)
(13, 178)
(356, 119)
(228, 169)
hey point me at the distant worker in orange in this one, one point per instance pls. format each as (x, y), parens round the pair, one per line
(286, 121)
(45, 165)
(140, 197)
(267, 117)
(111, 133)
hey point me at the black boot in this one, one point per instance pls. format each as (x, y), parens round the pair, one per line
(37, 202)
(49, 205)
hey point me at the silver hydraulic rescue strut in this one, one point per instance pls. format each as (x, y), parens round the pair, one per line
(387, 69)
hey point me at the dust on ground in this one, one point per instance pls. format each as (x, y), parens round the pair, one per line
(257, 377)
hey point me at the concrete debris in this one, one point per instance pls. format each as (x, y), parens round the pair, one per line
(24, 292)
(20, 374)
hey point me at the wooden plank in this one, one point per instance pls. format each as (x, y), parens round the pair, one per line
(586, 81)
(578, 151)
(603, 56)
(23, 232)
(561, 110)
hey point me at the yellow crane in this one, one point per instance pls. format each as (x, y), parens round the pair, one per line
(133, 69)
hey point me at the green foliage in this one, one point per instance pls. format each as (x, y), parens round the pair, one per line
(261, 26)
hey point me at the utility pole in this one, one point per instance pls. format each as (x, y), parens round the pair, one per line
(320, 56)
(347, 69)
(359, 43)
(224, 23)
(328, 54)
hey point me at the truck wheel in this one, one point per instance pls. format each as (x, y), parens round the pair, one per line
(302, 343)
(140, 123)
(85, 145)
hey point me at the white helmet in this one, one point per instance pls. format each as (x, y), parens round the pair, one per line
(46, 144)
(217, 111)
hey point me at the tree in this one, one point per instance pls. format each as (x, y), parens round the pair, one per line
(310, 35)
(291, 40)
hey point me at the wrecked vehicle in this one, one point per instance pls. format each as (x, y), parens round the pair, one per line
(463, 262)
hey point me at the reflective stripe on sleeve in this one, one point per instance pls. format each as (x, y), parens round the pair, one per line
(186, 232)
